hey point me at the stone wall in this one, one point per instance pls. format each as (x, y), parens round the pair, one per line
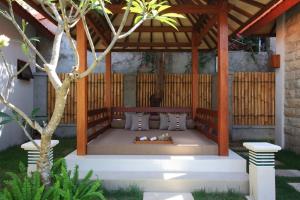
(292, 80)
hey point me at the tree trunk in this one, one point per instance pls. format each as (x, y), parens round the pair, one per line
(43, 164)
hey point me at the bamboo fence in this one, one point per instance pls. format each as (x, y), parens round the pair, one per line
(254, 98)
(177, 90)
(253, 95)
(96, 94)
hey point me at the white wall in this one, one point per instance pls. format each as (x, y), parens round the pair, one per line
(280, 78)
(22, 91)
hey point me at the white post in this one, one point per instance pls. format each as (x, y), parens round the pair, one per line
(261, 170)
(280, 82)
(34, 153)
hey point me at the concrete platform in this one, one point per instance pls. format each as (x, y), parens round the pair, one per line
(121, 142)
(166, 173)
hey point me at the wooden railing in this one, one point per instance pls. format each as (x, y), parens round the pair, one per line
(98, 122)
(207, 123)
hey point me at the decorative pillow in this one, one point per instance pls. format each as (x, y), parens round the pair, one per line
(128, 120)
(117, 123)
(140, 122)
(164, 121)
(177, 122)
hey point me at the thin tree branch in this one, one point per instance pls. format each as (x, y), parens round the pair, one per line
(31, 123)
(88, 35)
(133, 28)
(68, 34)
(110, 46)
(28, 135)
(107, 17)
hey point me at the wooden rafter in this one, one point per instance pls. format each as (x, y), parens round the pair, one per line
(184, 9)
(207, 28)
(98, 30)
(270, 16)
(254, 3)
(153, 44)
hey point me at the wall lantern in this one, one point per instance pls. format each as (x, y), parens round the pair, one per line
(275, 61)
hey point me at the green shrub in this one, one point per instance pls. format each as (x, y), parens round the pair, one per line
(65, 185)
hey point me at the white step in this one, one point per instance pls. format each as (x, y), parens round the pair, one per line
(175, 181)
(166, 173)
(167, 196)
(232, 163)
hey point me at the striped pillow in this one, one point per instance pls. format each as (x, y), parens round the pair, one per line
(177, 122)
(140, 122)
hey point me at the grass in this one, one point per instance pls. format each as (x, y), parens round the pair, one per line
(289, 160)
(284, 191)
(202, 195)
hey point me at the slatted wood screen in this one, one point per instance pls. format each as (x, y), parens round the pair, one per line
(95, 95)
(254, 98)
(177, 90)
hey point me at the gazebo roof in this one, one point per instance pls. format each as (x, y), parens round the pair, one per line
(200, 16)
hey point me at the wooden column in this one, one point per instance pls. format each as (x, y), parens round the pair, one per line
(107, 79)
(223, 114)
(82, 93)
(195, 76)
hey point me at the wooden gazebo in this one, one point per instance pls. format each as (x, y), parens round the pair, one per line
(207, 26)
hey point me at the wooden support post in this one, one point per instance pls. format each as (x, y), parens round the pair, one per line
(108, 80)
(82, 93)
(223, 81)
(195, 76)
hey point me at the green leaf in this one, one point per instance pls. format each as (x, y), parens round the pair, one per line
(5, 121)
(4, 115)
(34, 39)
(162, 8)
(25, 48)
(34, 112)
(137, 19)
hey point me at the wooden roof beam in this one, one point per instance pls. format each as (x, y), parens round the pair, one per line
(44, 27)
(98, 31)
(159, 29)
(269, 16)
(254, 3)
(153, 44)
(206, 29)
(183, 9)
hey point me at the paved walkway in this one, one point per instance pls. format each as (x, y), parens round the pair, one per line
(296, 186)
(167, 196)
(290, 173)
(287, 173)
